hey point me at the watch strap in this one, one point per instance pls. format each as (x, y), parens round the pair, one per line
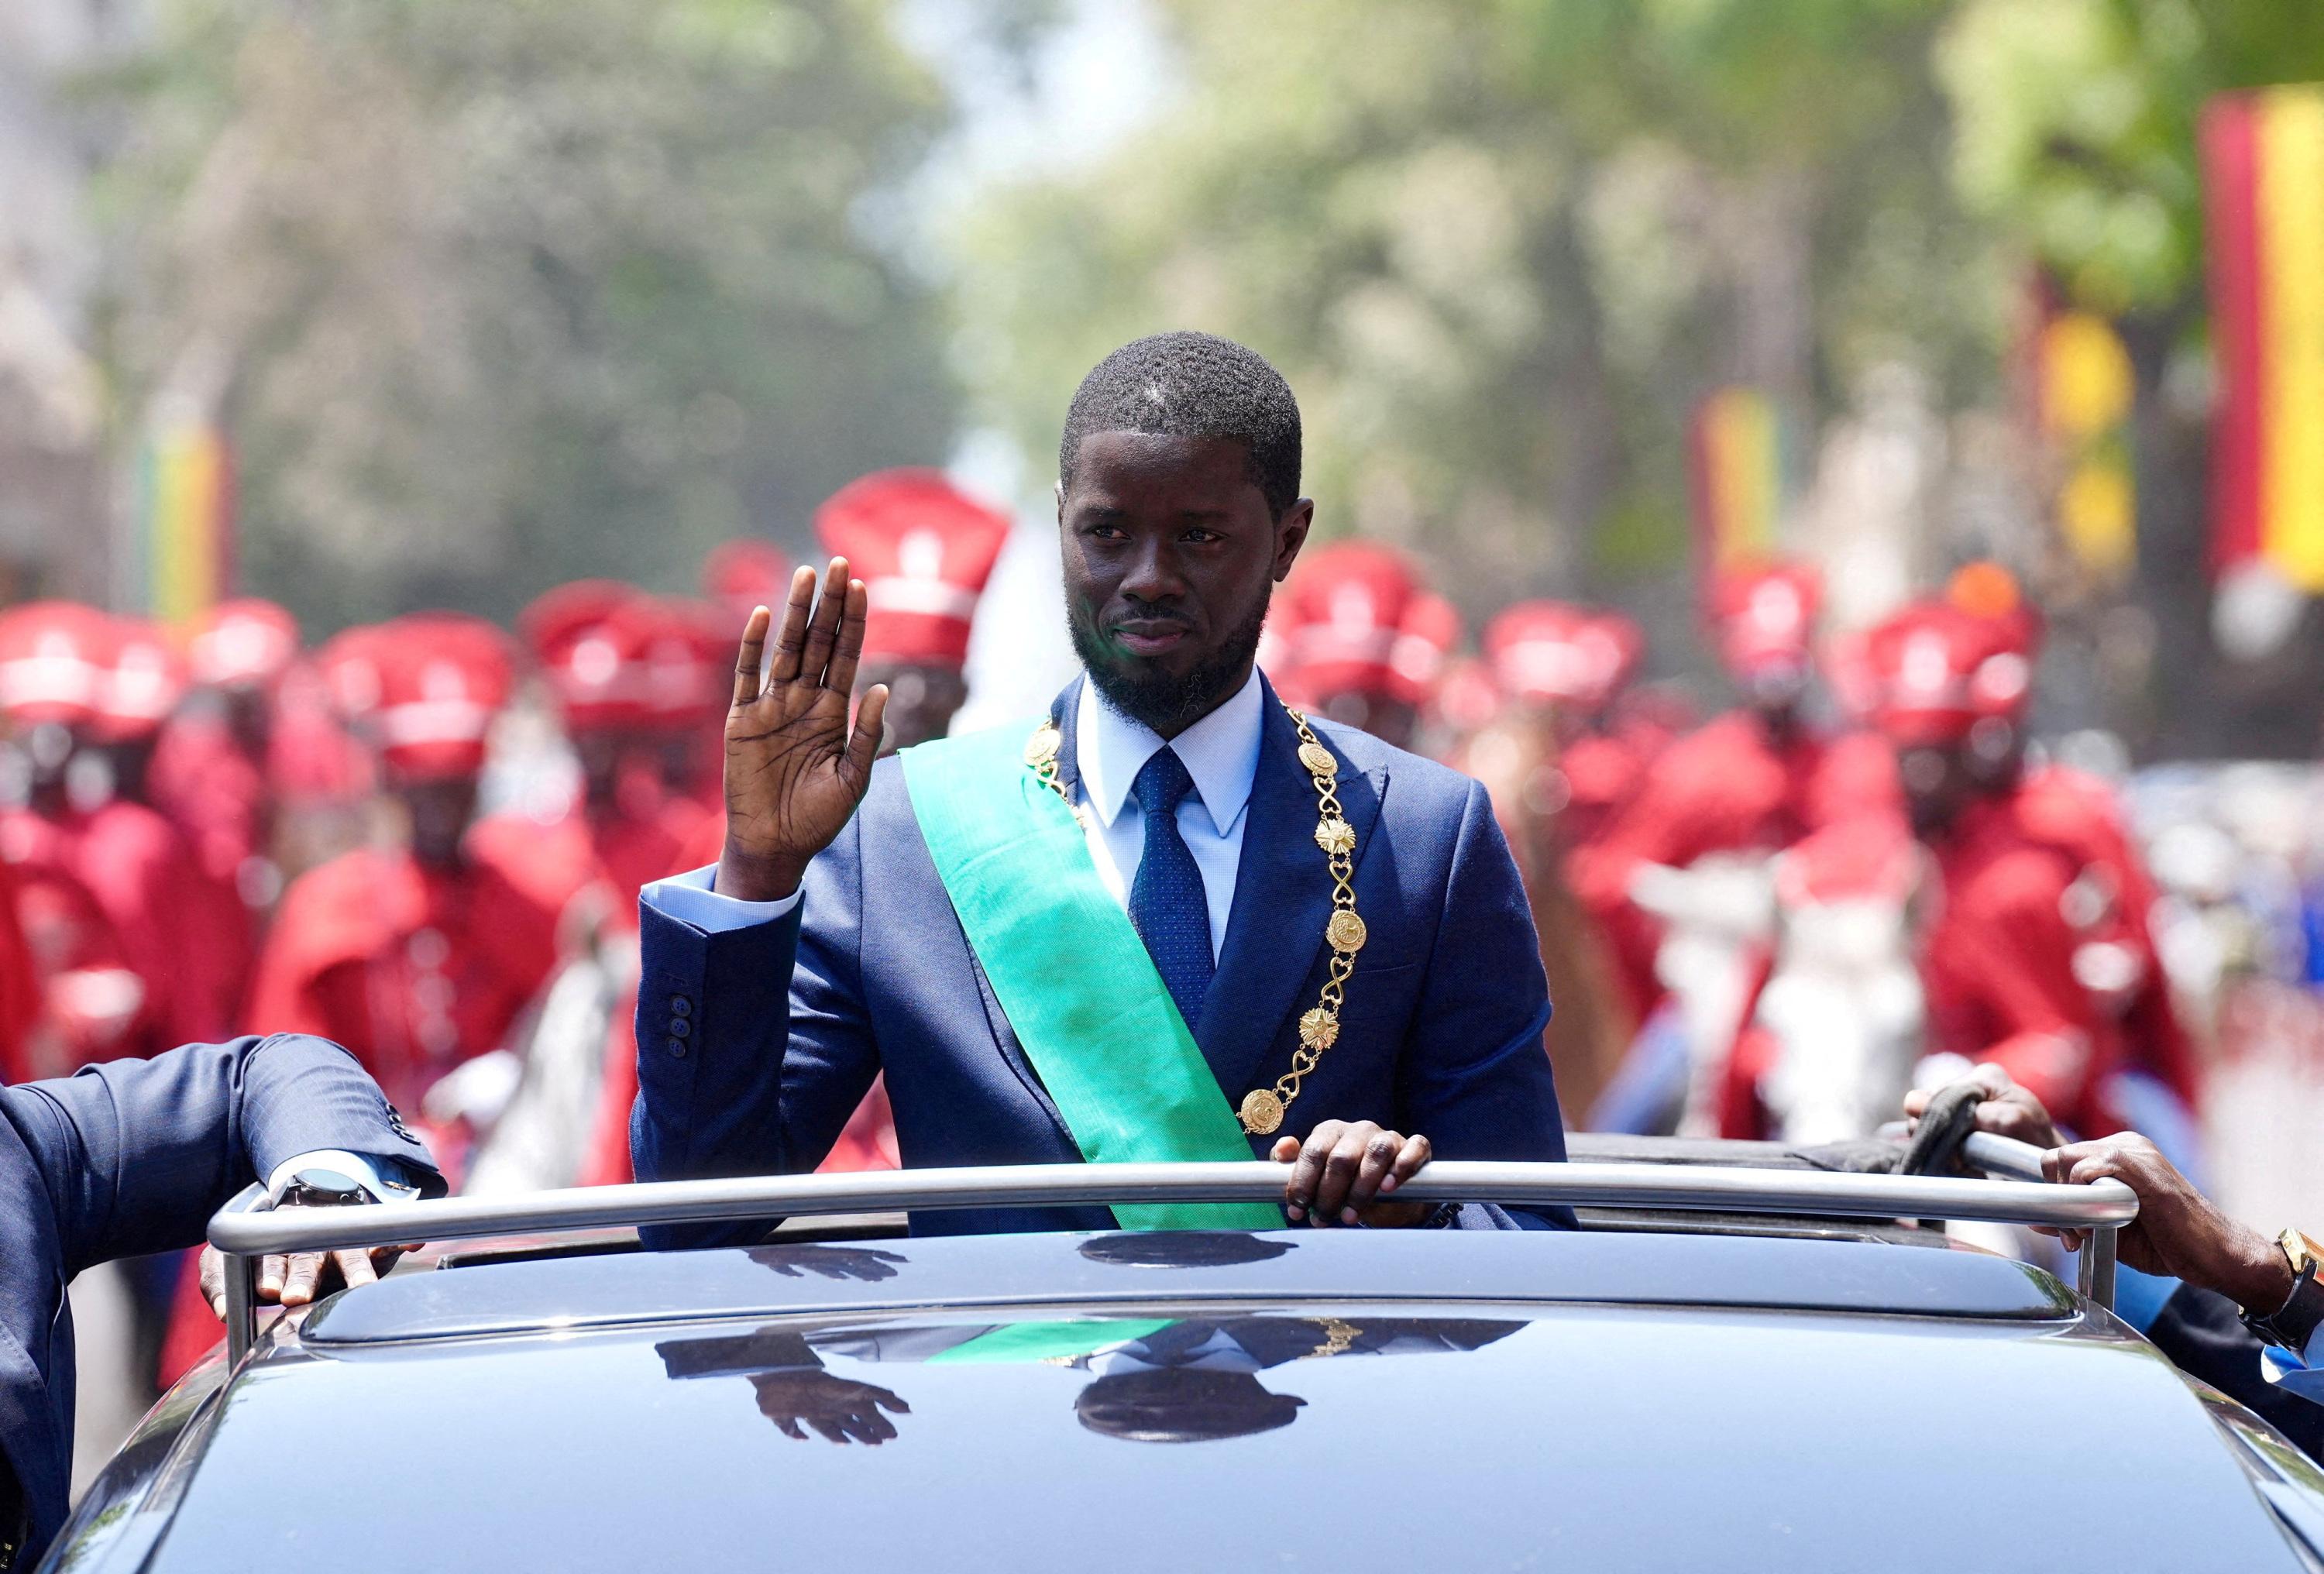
(2291, 1325)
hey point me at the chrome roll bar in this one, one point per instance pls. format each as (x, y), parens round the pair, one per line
(248, 1228)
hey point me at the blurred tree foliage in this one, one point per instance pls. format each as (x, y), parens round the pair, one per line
(1500, 249)
(497, 294)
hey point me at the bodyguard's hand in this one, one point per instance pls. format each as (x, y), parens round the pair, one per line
(1343, 1167)
(301, 1278)
(2002, 1108)
(2178, 1232)
(794, 772)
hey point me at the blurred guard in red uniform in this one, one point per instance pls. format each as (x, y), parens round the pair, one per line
(1556, 773)
(422, 955)
(86, 693)
(210, 769)
(1354, 636)
(621, 666)
(924, 550)
(67, 995)
(1566, 666)
(2040, 957)
(1754, 781)
(147, 872)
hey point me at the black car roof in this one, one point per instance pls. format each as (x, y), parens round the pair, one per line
(1265, 1401)
(1282, 1265)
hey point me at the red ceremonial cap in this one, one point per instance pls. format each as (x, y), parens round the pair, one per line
(1560, 654)
(1762, 620)
(685, 655)
(1990, 593)
(742, 574)
(246, 643)
(587, 652)
(440, 678)
(1932, 672)
(145, 679)
(1354, 618)
(55, 660)
(923, 550)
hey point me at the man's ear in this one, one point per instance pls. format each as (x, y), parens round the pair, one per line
(1291, 534)
(1058, 488)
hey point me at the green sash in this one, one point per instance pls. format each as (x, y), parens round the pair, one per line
(1048, 1341)
(1071, 974)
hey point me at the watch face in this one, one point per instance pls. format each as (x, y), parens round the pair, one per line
(2303, 1251)
(322, 1187)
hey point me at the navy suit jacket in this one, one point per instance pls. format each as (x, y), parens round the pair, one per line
(755, 1046)
(134, 1157)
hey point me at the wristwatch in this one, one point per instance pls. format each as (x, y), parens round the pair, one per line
(321, 1188)
(2292, 1324)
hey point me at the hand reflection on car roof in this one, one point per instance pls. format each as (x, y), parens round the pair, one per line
(868, 1264)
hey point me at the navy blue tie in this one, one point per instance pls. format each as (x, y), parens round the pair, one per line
(1167, 903)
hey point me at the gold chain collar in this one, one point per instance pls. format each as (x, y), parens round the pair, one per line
(1263, 1109)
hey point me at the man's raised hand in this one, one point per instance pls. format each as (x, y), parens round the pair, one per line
(794, 771)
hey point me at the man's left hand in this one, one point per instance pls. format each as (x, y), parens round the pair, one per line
(300, 1279)
(1343, 1169)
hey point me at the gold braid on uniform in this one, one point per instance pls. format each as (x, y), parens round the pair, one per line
(1263, 1109)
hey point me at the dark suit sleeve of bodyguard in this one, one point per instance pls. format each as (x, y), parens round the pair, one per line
(138, 1154)
(754, 1045)
(1475, 1074)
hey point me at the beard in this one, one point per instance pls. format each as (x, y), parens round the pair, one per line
(1167, 704)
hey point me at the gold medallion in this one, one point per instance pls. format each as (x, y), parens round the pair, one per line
(1319, 1030)
(1318, 759)
(1336, 836)
(1262, 1112)
(1042, 747)
(1345, 932)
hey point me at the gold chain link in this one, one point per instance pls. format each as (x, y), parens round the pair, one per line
(1263, 1109)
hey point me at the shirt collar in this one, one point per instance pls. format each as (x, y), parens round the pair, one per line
(1221, 752)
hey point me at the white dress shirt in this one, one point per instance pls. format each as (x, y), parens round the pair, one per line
(1219, 753)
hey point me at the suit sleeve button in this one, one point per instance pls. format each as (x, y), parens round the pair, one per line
(679, 1027)
(677, 1049)
(679, 1005)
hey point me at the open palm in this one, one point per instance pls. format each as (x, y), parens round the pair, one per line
(795, 770)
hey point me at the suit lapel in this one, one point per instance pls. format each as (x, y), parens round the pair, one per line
(1283, 894)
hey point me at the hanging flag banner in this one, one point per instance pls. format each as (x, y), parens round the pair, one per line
(1735, 472)
(2083, 388)
(185, 540)
(2263, 155)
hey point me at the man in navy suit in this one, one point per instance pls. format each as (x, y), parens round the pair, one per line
(1323, 934)
(134, 1157)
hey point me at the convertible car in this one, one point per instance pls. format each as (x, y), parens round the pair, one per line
(1754, 1365)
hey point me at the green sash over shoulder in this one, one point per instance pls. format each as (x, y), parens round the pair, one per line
(1070, 972)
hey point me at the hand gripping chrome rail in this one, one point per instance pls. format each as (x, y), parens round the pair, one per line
(247, 1228)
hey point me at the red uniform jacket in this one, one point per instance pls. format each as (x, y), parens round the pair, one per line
(1728, 786)
(414, 969)
(2041, 957)
(186, 937)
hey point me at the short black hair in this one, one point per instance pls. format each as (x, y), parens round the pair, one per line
(1192, 385)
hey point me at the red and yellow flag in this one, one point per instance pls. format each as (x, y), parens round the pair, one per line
(186, 521)
(1735, 470)
(2263, 202)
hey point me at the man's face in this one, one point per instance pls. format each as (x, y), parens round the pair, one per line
(437, 811)
(922, 698)
(1170, 553)
(1938, 782)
